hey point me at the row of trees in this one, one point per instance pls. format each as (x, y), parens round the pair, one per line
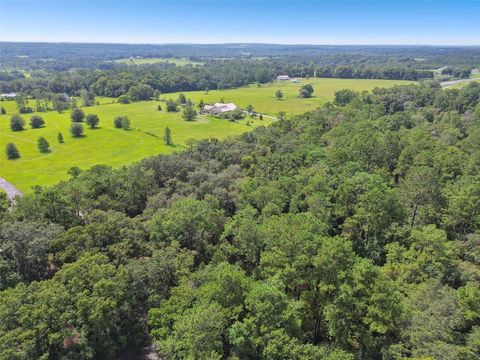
(349, 232)
(144, 82)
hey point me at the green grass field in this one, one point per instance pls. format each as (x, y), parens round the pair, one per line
(143, 61)
(262, 98)
(117, 147)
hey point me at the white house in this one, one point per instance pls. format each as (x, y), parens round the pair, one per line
(283, 77)
(219, 108)
(8, 95)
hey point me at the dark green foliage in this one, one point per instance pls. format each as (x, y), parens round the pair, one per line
(16, 122)
(181, 99)
(171, 105)
(306, 91)
(167, 137)
(12, 151)
(121, 122)
(279, 94)
(3, 111)
(124, 99)
(92, 120)
(76, 129)
(344, 97)
(77, 115)
(60, 138)
(36, 121)
(43, 145)
(189, 113)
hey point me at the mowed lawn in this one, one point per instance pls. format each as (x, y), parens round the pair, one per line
(117, 147)
(262, 97)
(105, 145)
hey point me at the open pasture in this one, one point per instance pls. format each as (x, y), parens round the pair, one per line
(117, 147)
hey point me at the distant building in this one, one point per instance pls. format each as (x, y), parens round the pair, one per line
(8, 95)
(283, 77)
(219, 108)
(295, 81)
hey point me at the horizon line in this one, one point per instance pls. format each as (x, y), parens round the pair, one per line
(235, 43)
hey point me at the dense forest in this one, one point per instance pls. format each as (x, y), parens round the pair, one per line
(349, 232)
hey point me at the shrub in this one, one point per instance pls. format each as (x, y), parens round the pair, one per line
(76, 129)
(77, 115)
(3, 111)
(25, 110)
(36, 121)
(171, 105)
(92, 120)
(60, 138)
(124, 99)
(17, 122)
(189, 113)
(12, 151)
(43, 145)
(168, 136)
(125, 123)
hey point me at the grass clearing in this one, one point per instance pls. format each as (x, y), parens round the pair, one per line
(117, 147)
(262, 97)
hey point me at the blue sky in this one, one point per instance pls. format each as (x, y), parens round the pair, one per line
(280, 21)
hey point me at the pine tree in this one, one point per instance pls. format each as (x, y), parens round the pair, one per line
(43, 145)
(168, 136)
(12, 151)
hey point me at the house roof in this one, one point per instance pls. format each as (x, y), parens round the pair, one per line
(221, 107)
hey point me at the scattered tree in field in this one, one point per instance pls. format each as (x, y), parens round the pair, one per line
(159, 107)
(279, 94)
(43, 145)
(249, 108)
(306, 91)
(189, 113)
(17, 122)
(281, 115)
(156, 95)
(121, 122)
(171, 106)
(36, 121)
(88, 97)
(92, 120)
(12, 151)
(181, 99)
(3, 111)
(168, 136)
(207, 90)
(201, 104)
(117, 122)
(77, 115)
(76, 129)
(260, 117)
(60, 138)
